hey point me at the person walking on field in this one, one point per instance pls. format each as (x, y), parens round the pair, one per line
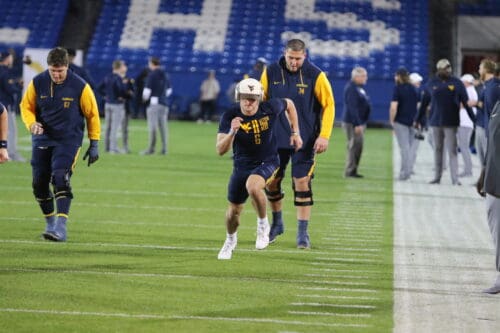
(293, 76)
(54, 109)
(248, 129)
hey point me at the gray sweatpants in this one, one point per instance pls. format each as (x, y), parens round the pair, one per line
(493, 213)
(113, 114)
(157, 118)
(481, 142)
(354, 149)
(406, 141)
(445, 138)
(463, 136)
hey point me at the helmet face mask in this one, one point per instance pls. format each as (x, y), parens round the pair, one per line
(249, 89)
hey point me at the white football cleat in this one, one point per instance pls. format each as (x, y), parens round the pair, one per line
(227, 250)
(262, 236)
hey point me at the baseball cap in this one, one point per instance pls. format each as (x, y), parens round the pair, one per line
(415, 77)
(443, 64)
(262, 60)
(467, 78)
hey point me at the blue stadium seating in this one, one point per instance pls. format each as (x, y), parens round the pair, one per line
(254, 29)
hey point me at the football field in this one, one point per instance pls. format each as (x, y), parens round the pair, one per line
(143, 238)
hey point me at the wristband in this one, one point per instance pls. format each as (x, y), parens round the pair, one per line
(294, 133)
(3, 143)
(231, 132)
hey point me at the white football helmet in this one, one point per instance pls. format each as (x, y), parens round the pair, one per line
(249, 87)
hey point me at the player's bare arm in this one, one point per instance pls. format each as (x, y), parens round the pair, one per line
(225, 140)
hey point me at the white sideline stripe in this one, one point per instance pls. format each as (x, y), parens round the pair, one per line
(342, 306)
(337, 276)
(333, 314)
(157, 247)
(344, 270)
(345, 283)
(361, 298)
(171, 276)
(354, 249)
(340, 289)
(267, 320)
(353, 254)
(81, 313)
(354, 240)
(347, 259)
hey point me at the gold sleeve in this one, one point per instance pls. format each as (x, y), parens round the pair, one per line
(265, 84)
(324, 93)
(90, 111)
(28, 106)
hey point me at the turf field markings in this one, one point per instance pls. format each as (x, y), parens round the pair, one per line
(359, 298)
(360, 290)
(340, 306)
(338, 276)
(268, 320)
(352, 254)
(82, 313)
(333, 314)
(348, 259)
(160, 247)
(353, 240)
(354, 249)
(345, 270)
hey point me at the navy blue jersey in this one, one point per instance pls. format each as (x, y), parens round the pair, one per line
(7, 86)
(311, 92)
(491, 95)
(407, 97)
(444, 97)
(356, 105)
(113, 88)
(83, 73)
(254, 142)
(158, 82)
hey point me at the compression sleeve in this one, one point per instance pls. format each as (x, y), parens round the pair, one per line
(90, 111)
(28, 106)
(324, 94)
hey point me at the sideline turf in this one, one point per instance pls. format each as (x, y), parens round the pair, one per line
(144, 232)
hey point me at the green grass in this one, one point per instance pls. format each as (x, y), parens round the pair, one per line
(144, 233)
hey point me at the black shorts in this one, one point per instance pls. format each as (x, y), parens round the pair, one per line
(303, 162)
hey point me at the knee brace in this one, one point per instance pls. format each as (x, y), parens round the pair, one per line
(303, 195)
(277, 195)
(60, 181)
(41, 189)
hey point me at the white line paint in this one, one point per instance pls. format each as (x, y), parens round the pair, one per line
(342, 306)
(267, 320)
(349, 259)
(354, 249)
(338, 276)
(360, 290)
(160, 247)
(333, 314)
(360, 298)
(349, 240)
(82, 313)
(345, 270)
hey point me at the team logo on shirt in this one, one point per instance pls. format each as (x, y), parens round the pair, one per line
(256, 126)
(302, 88)
(67, 102)
(451, 87)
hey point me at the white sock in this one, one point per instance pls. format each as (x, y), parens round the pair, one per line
(232, 237)
(262, 221)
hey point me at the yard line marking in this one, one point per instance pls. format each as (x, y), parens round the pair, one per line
(354, 240)
(346, 306)
(348, 259)
(171, 276)
(344, 270)
(158, 247)
(362, 315)
(346, 283)
(268, 320)
(83, 313)
(363, 298)
(341, 289)
(354, 249)
(338, 276)
(353, 254)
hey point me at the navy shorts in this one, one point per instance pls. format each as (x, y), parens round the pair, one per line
(303, 162)
(44, 160)
(237, 190)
